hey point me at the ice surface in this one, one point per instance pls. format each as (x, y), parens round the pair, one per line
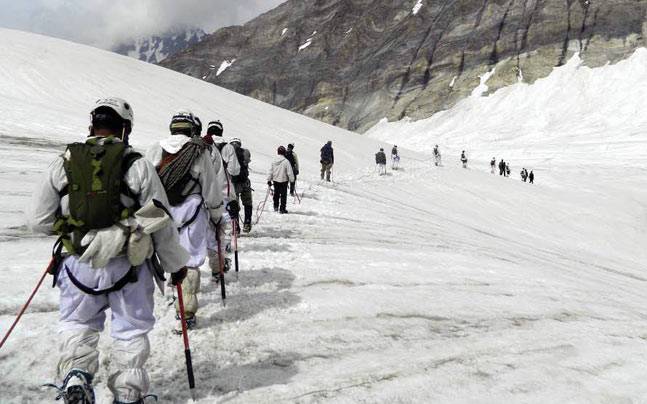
(425, 285)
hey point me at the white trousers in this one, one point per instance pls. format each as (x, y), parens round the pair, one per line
(225, 234)
(195, 237)
(82, 318)
(190, 290)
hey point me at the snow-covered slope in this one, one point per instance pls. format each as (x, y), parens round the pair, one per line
(426, 285)
(575, 116)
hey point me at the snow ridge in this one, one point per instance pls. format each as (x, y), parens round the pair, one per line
(308, 42)
(224, 66)
(416, 8)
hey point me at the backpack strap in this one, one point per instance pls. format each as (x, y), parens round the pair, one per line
(126, 164)
(64, 191)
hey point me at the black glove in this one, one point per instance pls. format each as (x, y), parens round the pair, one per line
(233, 209)
(178, 277)
(269, 184)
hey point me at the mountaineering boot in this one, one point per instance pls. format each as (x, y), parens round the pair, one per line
(247, 227)
(191, 323)
(248, 215)
(215, 274)
(284, 211)
(76, 388)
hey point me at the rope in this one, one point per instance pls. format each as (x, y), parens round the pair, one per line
(174, 170)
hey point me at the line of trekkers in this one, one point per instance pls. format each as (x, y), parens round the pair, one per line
(124, 219)
(504, 168)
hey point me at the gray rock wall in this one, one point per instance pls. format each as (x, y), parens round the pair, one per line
(371, 59)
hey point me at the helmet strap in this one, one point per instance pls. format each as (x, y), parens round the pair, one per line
(124, 135)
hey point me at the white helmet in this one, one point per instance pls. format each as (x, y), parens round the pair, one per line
(215, 128)
(235, 140)
(119, 105)
(184, 121)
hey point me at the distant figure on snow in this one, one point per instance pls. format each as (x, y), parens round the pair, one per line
(531, 177)
(437, 156)
(395, 158)
(464, 159)
(524, 174)
(294, 162)
(507, 169)
(280, 176)
(380, 160)
(242, 184)
(327, 160)
(502, 167)
(492, 164)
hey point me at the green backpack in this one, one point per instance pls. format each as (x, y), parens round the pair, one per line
(95, 175)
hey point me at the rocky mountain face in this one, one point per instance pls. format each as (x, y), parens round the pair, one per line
(156, 48)
(352, 62)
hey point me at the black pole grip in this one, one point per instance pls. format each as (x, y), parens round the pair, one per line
(236, 259)
(189, 368)
(223, 292)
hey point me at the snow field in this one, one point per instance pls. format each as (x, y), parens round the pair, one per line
(425, 285)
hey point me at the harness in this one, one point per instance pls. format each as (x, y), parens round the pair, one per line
(130, 277)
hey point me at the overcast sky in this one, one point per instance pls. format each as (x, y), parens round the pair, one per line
(105, 23)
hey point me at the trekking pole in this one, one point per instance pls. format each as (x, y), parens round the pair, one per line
(296, 193)
(234, 225)
(187, 348)
(221, 265)
(24, 307)
(261, 206)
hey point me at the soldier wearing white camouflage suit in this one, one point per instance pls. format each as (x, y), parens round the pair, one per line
(196, 202)
(84, 281)
(223, 155)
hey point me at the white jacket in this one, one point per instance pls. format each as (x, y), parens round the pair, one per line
(223, 178)
(203, 170)
(141, 178)
(281, 170)
(228, 156)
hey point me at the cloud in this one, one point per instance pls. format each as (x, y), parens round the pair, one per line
(106, 23)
